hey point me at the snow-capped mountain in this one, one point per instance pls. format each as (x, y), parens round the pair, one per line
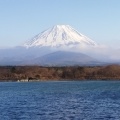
(44, 49)
(59, 36)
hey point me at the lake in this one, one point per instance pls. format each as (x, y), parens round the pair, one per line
(75, 100)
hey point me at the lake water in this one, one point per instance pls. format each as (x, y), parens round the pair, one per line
(84, 100)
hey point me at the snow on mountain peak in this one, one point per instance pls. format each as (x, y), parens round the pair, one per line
(59, 35)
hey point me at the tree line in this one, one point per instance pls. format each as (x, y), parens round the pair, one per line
(14, 73)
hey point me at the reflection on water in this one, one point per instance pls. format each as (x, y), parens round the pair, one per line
(84, 100)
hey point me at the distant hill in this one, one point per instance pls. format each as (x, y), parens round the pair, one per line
(64, 58)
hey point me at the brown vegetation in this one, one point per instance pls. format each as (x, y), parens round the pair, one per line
(15, 73)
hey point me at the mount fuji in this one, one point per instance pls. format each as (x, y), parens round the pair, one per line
(59, 36)
(59, 45)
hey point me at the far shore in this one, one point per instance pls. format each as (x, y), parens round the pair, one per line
(70, 80)
(67, 73)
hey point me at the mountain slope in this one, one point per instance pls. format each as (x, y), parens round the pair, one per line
(61, 58)
(59, 35)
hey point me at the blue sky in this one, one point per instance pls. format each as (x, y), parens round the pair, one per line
(22, 19)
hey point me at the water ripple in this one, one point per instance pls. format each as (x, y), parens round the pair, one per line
(60, 100)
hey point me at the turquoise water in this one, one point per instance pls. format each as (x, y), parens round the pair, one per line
(84, 100)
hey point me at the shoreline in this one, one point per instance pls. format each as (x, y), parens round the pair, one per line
(50, 80)
(67, 73)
